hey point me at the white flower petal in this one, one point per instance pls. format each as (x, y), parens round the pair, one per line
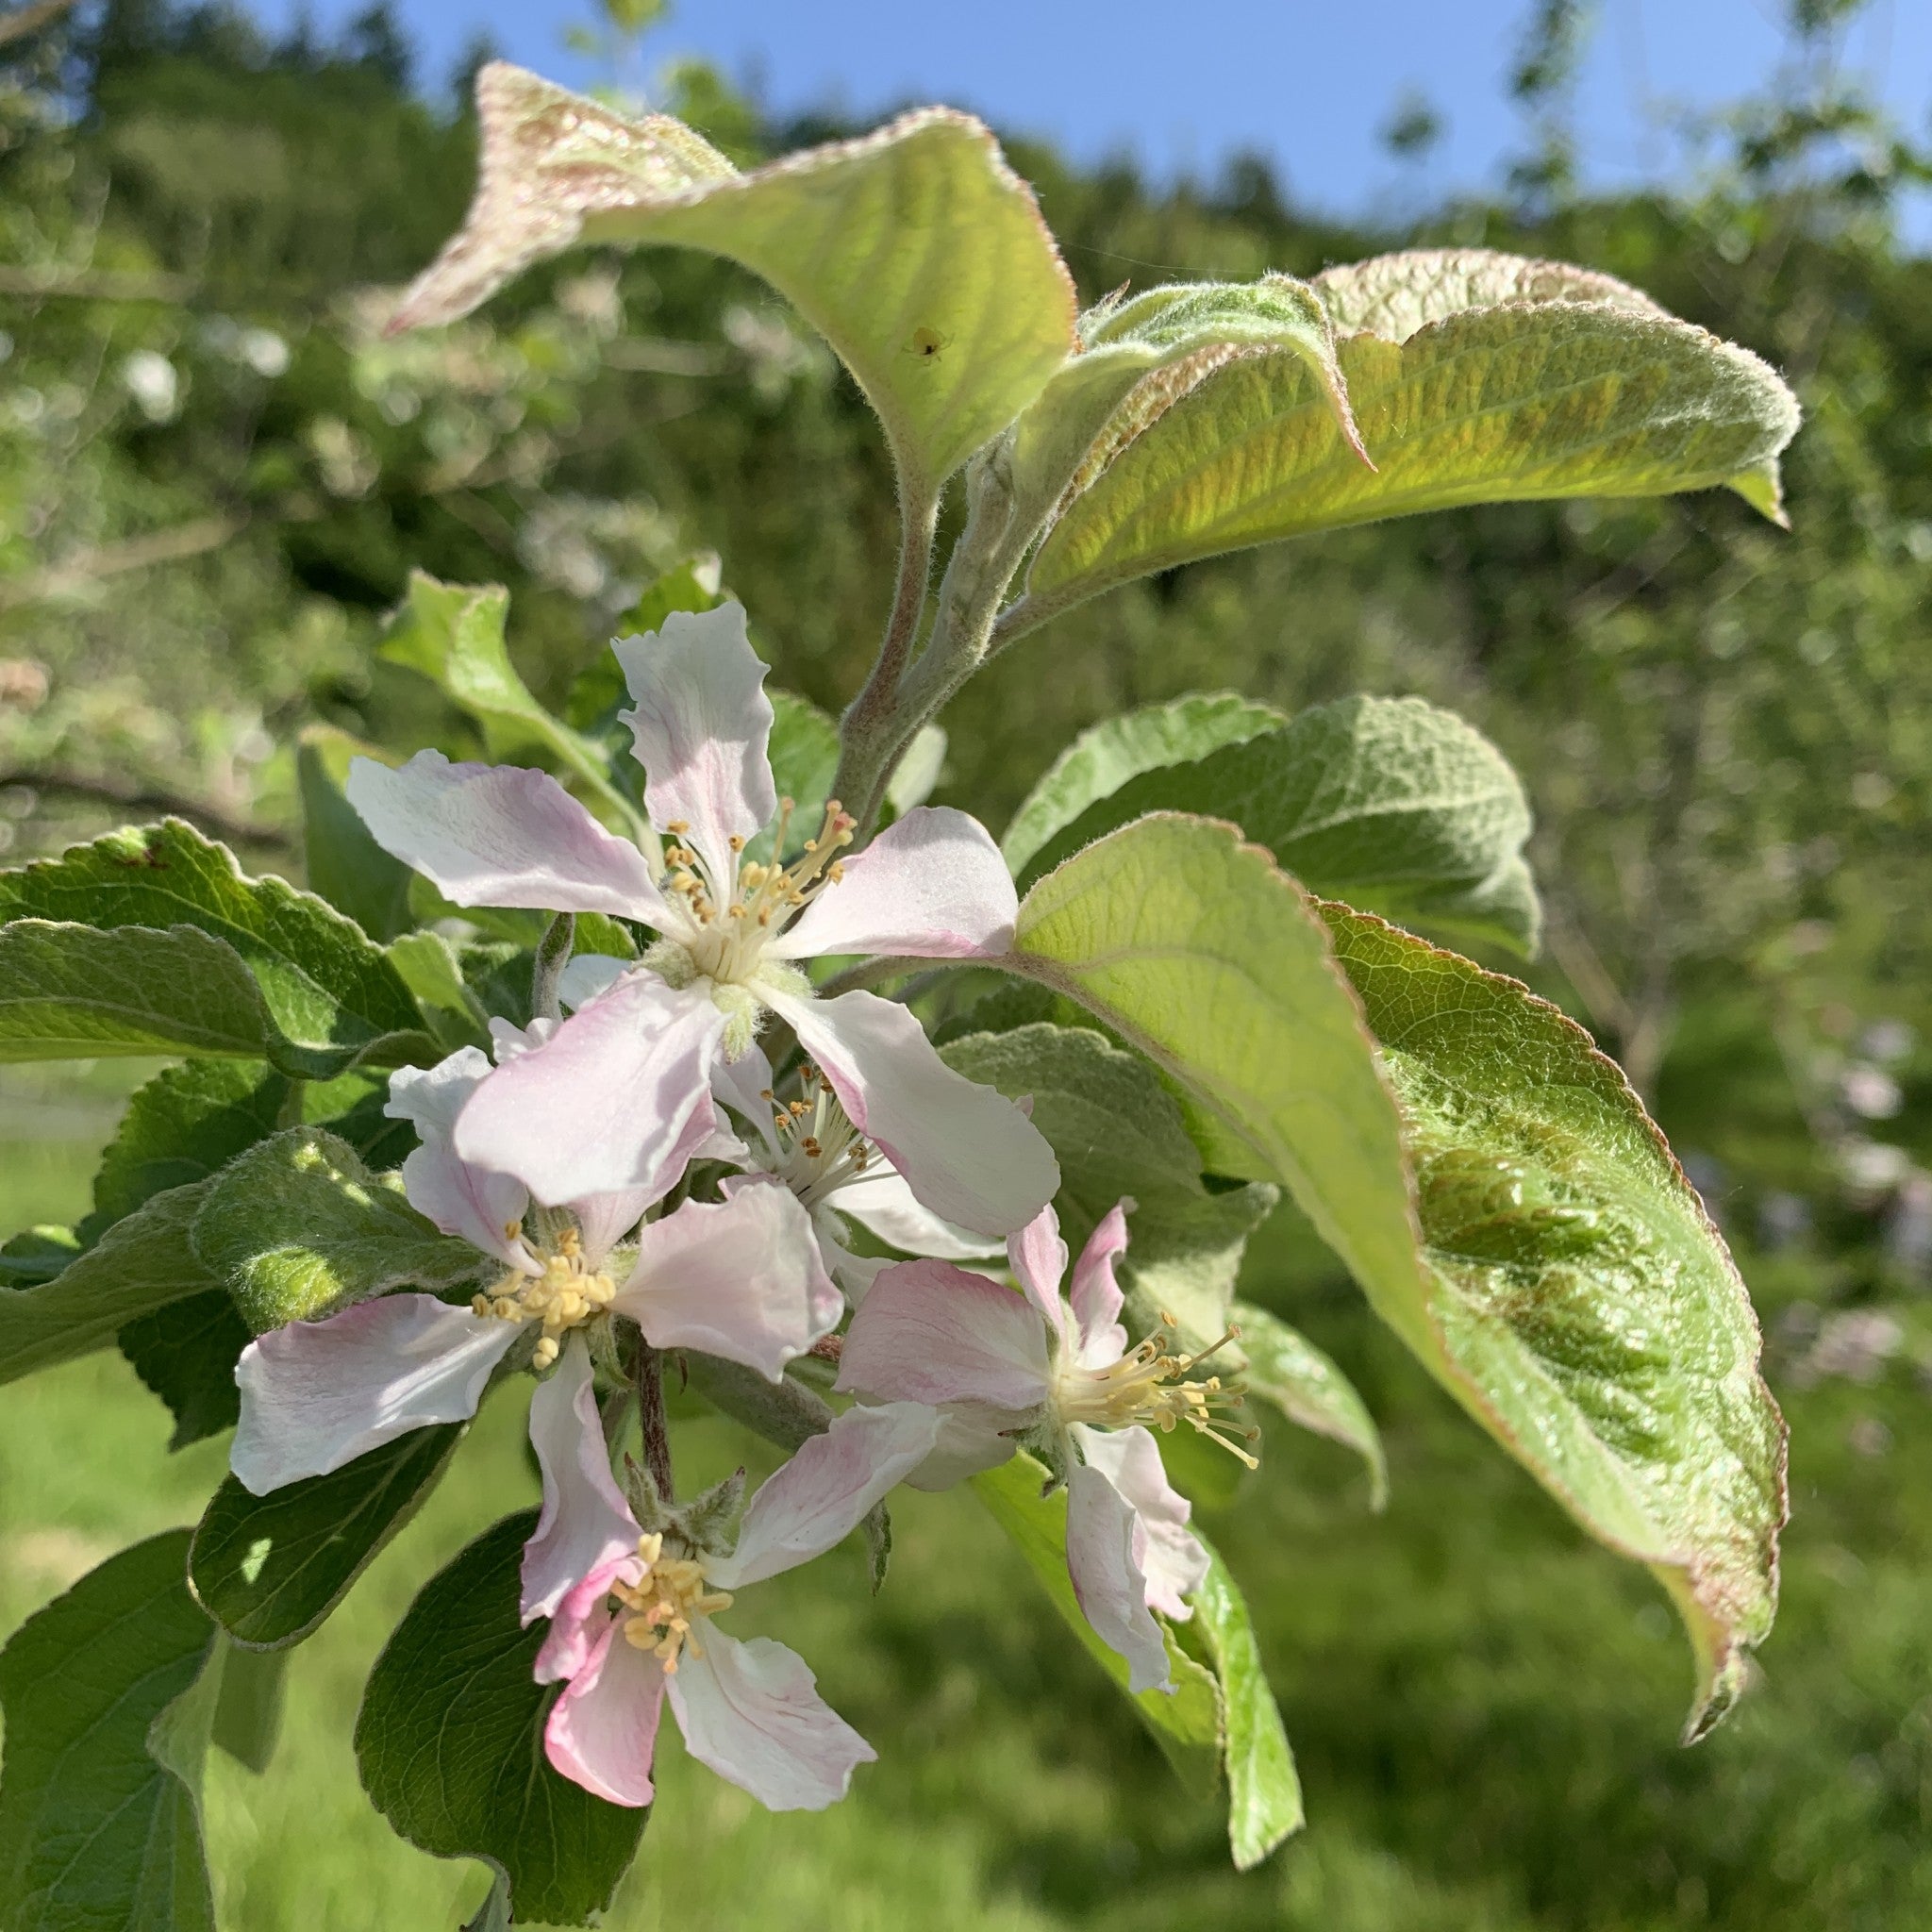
(701, 723)
(1172, 1560)
(1104, 1544)
(1038, 1259)
(586, 975)
(585, 1523)
(753, 1713)
(602, 1731)
(501, 835)
(929, 1332)
(470, 1203)
(1096, 1296)
(740, 1278)
(966, 1152)
(931, 886)
(617, 1098)
(881, 1201)
(823, 1493)
(318, 1395)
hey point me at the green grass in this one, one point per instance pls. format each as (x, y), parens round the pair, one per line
(1484, 1706)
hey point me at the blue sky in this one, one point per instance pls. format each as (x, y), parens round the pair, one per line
(1180, 84)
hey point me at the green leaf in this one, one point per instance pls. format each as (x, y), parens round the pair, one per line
(1394, 295)
(344, 864)
(805, 760)
(1117, 1131)
(36, 1255)
(1284, 1368)
(1387, 802)
(246, 968)
(186, 1353)
(1140, 355)
(108, 1693)
(1186, 1723)
(1484, 405)
(1199, 952)
(248, 1717)
(454, 635)
(269, 1568)
(426, 964)
(298, 1227)
(1105, 757)
(1264, 1795)
(139, 1264)
(450, 1742)
(916, 252)
(1576, 1298)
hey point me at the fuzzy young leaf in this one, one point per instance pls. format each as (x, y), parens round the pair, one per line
(36, 1255)
(344, 864)
(1395, 295)
(1387, 802)
(1485, 404)
(329, 997)
(1186, 1723)
(142, 1264)
(454, 635)
(916, 252)
(1286, 1370)
(450, 1743)
(269, 1568)
(298, 1227)
(1264, 1795)
(1103, 757)
(108, 1693)
(1576, 1298)
(1116, 1131)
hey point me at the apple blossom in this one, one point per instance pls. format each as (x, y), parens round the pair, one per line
(606, 1103)
(638, 1624)
(1054, 1370)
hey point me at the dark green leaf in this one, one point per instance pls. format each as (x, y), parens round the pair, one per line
(344, 864)
(108, 1693)
(186, 1353)
(36, 1255)
(269, 1568)
(450, 1742)
(248, 1717)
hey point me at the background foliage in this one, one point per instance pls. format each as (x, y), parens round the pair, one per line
(215, 477)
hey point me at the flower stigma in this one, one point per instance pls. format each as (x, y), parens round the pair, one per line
(663, 1601)
(567, 1294)
(819, 1148)
(1148, 1387)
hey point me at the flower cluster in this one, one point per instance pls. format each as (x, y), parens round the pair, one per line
(644, 1175)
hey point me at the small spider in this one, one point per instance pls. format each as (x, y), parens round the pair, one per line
(928, 344)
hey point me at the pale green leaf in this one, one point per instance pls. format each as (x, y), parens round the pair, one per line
(1107, 755)
(1517, 400)
(142, 1264)
(1186, 1723)
(331, 999)
(344, 864)
(1576, 1297)
(108, 1693)
(1285, 1369)
(1394, 295)
(916, 252)
(426, 964)
(248, 1716)
(450, 1743)
(1387, 802)
(298, 1227)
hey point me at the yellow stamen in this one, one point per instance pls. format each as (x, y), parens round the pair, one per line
(566, 1296)
(1148, 1386)
(663, 1602)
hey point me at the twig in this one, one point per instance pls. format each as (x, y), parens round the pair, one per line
(144, 797)
(657, 1434)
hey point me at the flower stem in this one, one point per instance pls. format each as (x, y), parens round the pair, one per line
(553, 956)
(651, 1416)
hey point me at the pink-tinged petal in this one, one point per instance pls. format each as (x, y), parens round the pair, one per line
(966, 1152)
(501, 835)
(1172, 1560)
(752, 1712)
(740, 1278)
(1095, 1295)
(1039, 1260)
(929, 1332)
(742, 1085)
(615, 1099)
(602, 1731)
(586, 1524)
(603, 1220)
(701, 724)
(972, 1437)
(585, 975)
(582, 1620)
(881, 1201)
(823, 1492)
(931, 886)
(1103, 1545)
(318, 1395)
(470, 1203)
